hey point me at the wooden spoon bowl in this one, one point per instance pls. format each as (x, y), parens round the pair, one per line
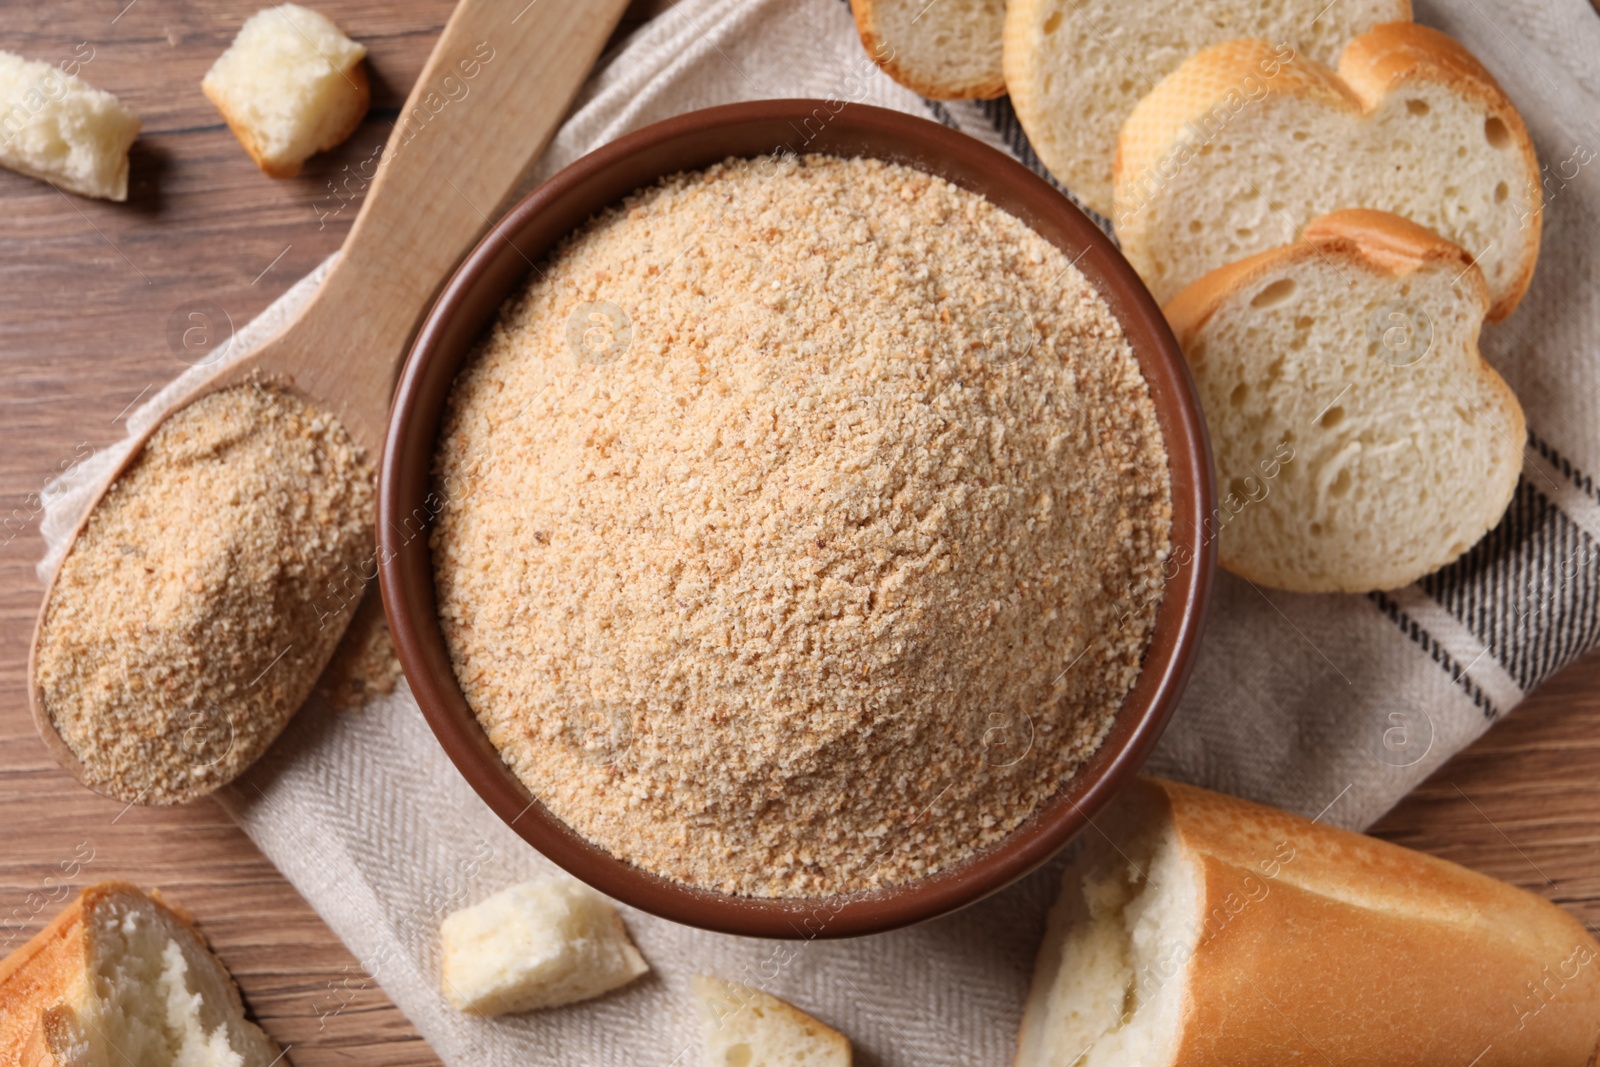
(492, 93)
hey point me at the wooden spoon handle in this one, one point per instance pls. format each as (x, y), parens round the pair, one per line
(491, 96)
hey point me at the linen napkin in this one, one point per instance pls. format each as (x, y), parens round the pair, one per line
(1328, 705)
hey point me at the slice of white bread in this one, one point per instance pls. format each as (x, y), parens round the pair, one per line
(945, 50)
(1360, 440)
(1209, 172)
(122, 978)
(1199, 929)
(541, 944)
(289, 86)
(56, 127)
(1076, 68)
(744, 1027)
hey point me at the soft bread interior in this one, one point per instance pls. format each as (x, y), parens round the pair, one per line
(289, 86)
(1253, 178)
(55, 127)
(1108, 987)
(744, 1027)
(947, 49)
(158, 998)
(1360, 441)
(1076, 68)
(540, 944)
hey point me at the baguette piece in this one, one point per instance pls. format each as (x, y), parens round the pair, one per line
(744, 1027)
(289, 86)
(1361, 441)
(56, 127)
(1221, 161)
(1076, 68)
(1202, 930)
(541, 944)
(122, 978)
(947, 50)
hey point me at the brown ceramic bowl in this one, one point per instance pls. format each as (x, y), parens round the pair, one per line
(499, 265)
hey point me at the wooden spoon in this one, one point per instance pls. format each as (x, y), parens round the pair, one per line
(488, 101)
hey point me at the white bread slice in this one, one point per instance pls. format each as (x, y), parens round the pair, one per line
(1076, 68)
(744, 1027)
(121, 978)
(541, 944)
(56, 127)
(1220, 162)
(1361, 442)
(1203, 930)
(945, 50)
(289, 86)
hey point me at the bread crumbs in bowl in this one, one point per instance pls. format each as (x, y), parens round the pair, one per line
(814, 538)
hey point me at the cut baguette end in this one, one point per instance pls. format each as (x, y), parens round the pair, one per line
(120, 976)
(1220, 931)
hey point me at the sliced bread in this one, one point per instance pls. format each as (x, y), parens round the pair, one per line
(121, 978)
(1223, 160)
(1195, 928)
(1361, 442)
(944, 49)
(744, 1027)
(1076, 68)
(56, 127)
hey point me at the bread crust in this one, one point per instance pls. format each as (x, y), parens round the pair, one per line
(34, 979)
(1378, 240)
(1398, 53)
(1378, 954)
(1312, 944)
(46, 982)
(1372, 66)
(1025, 64)
(357, 74)
(869, 21)
(1380, 243)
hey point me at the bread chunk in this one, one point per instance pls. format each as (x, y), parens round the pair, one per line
(289, 86)
(949, 50)
(1199, 929)
(1243, 145)
(744, 1027)
(122, 978)
(56, 127)
(1076, 68)
(1361, 442)
(541, 944)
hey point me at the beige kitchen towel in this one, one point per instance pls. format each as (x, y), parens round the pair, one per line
(1329, 705)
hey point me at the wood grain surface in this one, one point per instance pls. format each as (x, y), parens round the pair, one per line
(87, 290)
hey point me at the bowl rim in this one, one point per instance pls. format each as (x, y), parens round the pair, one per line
(465, 307)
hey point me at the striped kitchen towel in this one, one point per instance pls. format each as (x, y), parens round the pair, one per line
(1331, 705)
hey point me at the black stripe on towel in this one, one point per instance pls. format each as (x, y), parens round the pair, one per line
(1528, 590)
(1411, 628)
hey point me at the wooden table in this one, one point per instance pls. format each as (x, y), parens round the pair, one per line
(86, 292)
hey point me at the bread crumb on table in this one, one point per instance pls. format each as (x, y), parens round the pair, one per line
(804, 529)
(289, 86)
